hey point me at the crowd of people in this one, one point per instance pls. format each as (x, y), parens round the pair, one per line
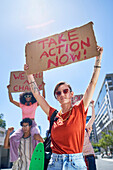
(70, 143)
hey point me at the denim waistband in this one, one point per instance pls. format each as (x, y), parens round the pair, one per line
(89, 155)
(67, 156)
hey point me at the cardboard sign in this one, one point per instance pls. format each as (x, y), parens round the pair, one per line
(76, 99)
(19, 81)
(61, 49)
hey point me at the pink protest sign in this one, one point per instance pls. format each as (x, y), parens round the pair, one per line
(76, 98)
(61, 49)
(19, 82)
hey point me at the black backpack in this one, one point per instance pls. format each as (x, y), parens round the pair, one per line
(47, 142)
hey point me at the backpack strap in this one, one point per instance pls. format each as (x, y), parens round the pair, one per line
(52, 119)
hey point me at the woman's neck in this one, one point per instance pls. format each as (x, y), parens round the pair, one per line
(66, 107)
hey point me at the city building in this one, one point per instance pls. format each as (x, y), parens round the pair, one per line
(87, 119)
(104, 108)
(2, 135)
(4, 153)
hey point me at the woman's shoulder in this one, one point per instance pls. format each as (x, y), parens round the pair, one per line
(51, 111)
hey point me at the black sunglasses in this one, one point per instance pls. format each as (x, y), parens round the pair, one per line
(28, 96)
(58, 93)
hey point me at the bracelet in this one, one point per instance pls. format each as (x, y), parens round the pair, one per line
(97, 66)
(32, 82)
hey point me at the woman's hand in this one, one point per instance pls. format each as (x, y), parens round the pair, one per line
(8, 86)
(92, 103)
(43, 83)
(100, 49)
(98, 58)
(26, 67)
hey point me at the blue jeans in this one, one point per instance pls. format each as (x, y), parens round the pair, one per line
(67, 162)
(90, 161)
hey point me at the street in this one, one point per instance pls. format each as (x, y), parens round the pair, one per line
(102, 164)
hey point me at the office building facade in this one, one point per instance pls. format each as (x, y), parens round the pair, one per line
(104, 108)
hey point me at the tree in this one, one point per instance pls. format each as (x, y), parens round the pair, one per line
(111, 145)
(105, 142)
(2, 122)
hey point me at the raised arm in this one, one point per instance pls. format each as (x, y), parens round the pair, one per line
(92, 119)
(91, 87)
(11, 98)
(43, 90)
(35, 90)
(6, 140)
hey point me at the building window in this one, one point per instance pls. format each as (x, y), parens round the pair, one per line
(108, 78)
(98, 104)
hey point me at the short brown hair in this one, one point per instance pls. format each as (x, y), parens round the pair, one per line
(59, 84)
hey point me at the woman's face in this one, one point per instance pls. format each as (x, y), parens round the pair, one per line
(28, 97)
(63, 94)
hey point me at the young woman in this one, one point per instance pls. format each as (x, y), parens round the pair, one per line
(67, 134)
(88, 151)
(28, 104)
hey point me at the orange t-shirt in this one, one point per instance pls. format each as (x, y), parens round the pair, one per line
(68, 137)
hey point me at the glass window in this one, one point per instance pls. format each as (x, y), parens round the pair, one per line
(108, 78)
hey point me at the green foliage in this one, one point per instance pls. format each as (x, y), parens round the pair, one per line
(105, 142)
(2, 122)
(95, 145)
(96, 150)
(111, 134)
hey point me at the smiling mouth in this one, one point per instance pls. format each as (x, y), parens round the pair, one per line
(62, 98)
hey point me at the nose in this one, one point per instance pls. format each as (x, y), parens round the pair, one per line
(62, 94)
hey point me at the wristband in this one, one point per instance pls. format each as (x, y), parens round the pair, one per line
(32, 82)
(97, 66)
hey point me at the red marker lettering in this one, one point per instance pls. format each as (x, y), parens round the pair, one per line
(72, 36)
(85, 43)
(60, 38)
(74, 46)
(43, 42)
(63, 59)
(52, 41)
(52, 62)
(44, 54)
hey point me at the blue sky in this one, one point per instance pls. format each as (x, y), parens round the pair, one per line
(24, 21)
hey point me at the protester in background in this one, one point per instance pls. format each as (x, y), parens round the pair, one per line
(28, 104)
(67, 134)
(25, 145)
(88, 151)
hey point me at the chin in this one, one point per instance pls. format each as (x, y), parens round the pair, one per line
(64, 102)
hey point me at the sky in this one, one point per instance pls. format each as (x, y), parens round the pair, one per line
(25, 21)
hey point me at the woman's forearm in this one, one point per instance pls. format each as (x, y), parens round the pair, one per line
(96, 71)
(34, 88)
(91, 87)
(36, 92)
